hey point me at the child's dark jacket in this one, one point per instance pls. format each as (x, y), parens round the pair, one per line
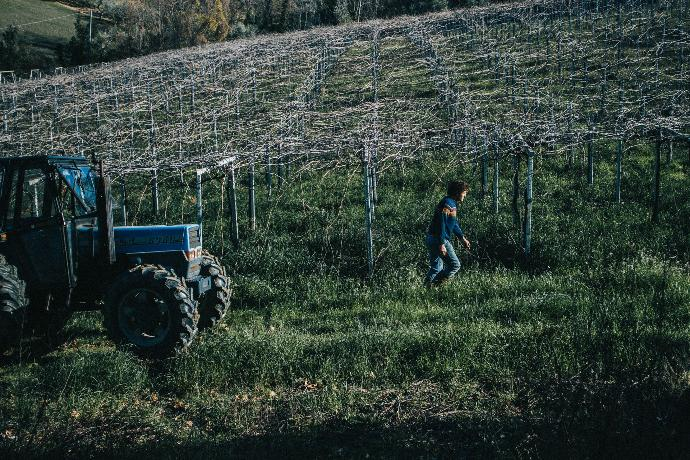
(445, 221)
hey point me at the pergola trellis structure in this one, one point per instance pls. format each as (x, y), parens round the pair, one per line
(510, 81)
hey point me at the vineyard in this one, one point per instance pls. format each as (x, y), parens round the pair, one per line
(312, 159)
(493, 84)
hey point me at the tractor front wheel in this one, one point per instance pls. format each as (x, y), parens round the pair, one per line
(150, 308)
(213, 303)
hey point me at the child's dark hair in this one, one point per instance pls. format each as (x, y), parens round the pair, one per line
(456, 187)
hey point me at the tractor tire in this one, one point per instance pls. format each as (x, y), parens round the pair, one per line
(13, 305)
(214, 303)
(151, 308)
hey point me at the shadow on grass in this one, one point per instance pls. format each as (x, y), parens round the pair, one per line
(31, 349)
(454, 435)
(436, 439)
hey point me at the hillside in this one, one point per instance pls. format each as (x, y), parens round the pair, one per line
(133, 28)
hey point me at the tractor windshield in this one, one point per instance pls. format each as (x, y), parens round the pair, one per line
(82, 181)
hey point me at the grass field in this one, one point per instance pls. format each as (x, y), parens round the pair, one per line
(43, 24)
(582, 352)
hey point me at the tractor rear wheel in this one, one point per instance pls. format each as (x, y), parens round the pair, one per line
(215, 302)
(150, 308)
(13, 305)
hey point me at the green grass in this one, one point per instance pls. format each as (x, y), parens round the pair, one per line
(43, 24)
(585, 349)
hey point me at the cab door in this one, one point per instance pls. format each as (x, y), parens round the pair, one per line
(36, 225)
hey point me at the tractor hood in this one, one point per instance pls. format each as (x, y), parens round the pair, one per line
(156, 238)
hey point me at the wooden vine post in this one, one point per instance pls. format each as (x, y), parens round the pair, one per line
(6, 114)
(516, 188)
(373, 154)
(619, 168)
(281, 166)
(485, 170)
(368, 212)
(590, 159)
(571, 151)
(76, 126)
(657, 177)
(269, 174)
(527, 233)
(285, 160)
(199, 206)
(123, 201)
(154, 193)
(495, 187)
(233, 208)
(232, 198)
(373, 183)
(251, 211)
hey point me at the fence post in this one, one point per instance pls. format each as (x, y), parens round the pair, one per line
(516, 188)
(657, 177)
(368, 213)
(528, 203)
(571, 150)
(281, 165)
(123, 202)
(154, 193)
(590, 160)
(251, 212)
(371, 184)
(373, 154)
(269, 175)
(485, 171)
(496, 179)
(199, 206)
(619, 161)
(232, 200)
(372, 178)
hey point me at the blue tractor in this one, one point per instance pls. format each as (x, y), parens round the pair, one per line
(59, 253)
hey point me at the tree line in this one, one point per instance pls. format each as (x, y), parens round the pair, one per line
(124, 28)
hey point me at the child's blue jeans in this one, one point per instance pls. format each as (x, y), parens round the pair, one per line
(440, 267)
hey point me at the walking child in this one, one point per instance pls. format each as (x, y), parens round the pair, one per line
(443, 262)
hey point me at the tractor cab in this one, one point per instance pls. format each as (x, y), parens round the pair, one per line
(42, 200)
(56, 229)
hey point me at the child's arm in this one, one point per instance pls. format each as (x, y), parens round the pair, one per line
(460, 234)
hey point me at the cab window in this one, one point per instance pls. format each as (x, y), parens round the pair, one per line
(81, 182)
(12, 201)
(65, 198)
(33, 204)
